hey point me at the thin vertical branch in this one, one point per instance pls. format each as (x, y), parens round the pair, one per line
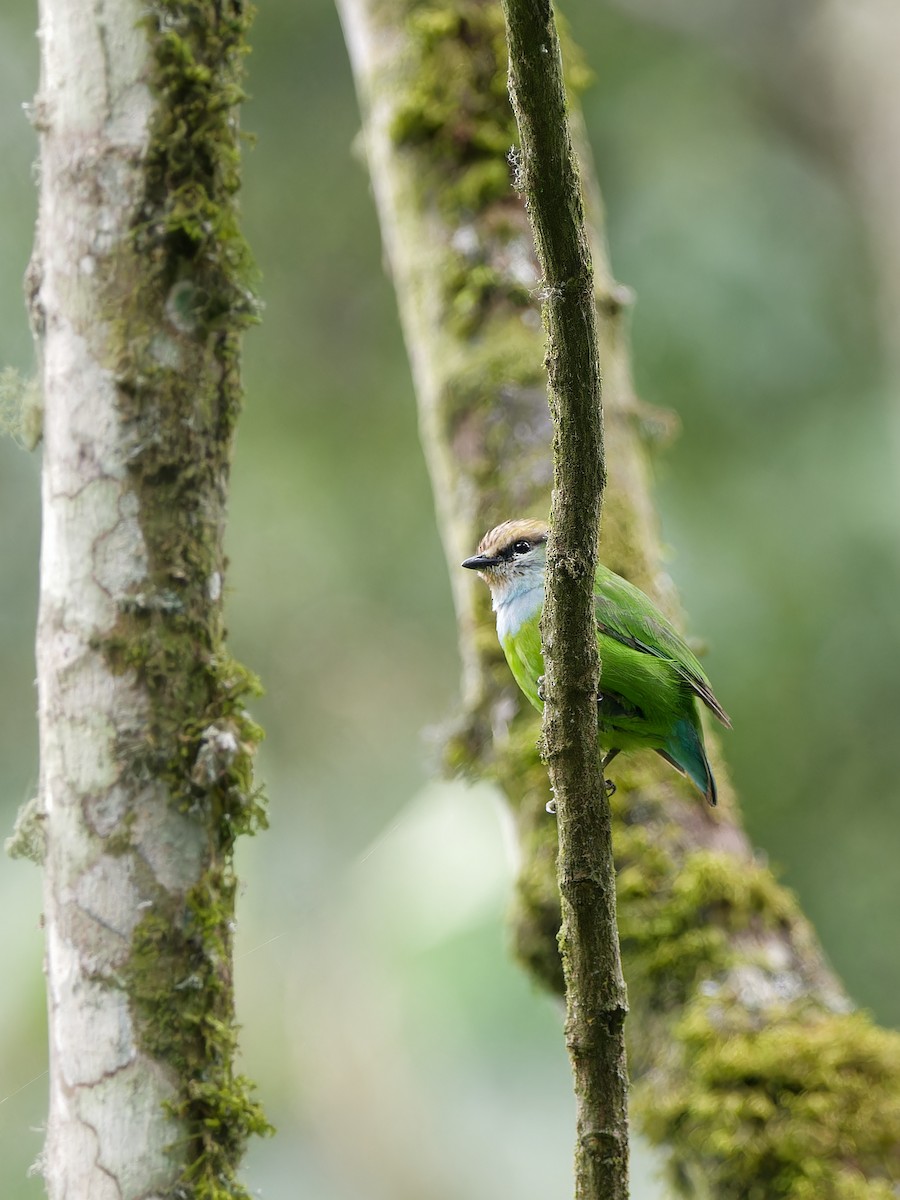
(595, 989)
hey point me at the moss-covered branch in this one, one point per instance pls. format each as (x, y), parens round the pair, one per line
(731, 1000)
(589, 940)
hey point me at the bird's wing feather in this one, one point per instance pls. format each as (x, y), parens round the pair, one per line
(626, 614)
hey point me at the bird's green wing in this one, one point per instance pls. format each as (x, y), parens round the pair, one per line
(626, 614)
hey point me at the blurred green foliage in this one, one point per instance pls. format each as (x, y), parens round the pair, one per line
(397, 1049)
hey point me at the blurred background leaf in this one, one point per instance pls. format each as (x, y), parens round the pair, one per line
(398, 1050)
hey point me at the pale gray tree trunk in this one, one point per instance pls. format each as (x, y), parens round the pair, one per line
(144, 744)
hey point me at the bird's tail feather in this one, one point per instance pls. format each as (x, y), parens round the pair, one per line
(687, 754)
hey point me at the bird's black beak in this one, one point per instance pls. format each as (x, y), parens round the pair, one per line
(480, 562)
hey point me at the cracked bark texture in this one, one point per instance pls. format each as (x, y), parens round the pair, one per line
(596, 1003)
(120, 848)
(752, 1072)
(93, 114)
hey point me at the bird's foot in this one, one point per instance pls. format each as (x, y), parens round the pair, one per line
(540, 688)
(608, 784)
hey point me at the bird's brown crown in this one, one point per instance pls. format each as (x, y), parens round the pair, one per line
(502, 537)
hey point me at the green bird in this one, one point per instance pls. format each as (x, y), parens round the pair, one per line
(650, 680)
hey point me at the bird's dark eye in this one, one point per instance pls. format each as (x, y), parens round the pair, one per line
(522, 547)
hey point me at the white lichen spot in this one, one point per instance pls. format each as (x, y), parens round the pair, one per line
(87, 264)
(103, 811)
(118, 556)
(502, 713)
(465, 241)
(759, 990)
(170, 843)
(107, 233)
(219, 746)
(182, 306)
(93, 1038)
(777, 955)
(107, 893)
(134, 106)
(166, 351)
(521, 265)
(623, 294)
(214, 586)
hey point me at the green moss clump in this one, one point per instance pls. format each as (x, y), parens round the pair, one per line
(455, 112)
(179, 401)
(457, 104)
(179, 981)
(474, 289)
(201, 741)
(804, 1107)
(676, 922)
(764, 1106)
(508, 356)
(29, 836)
(677, 913)
(190, 229)
(21, 408)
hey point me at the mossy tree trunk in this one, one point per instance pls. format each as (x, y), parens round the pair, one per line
(138, 293)
(751, 1070)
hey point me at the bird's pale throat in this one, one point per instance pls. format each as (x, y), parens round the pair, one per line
(517, 604)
